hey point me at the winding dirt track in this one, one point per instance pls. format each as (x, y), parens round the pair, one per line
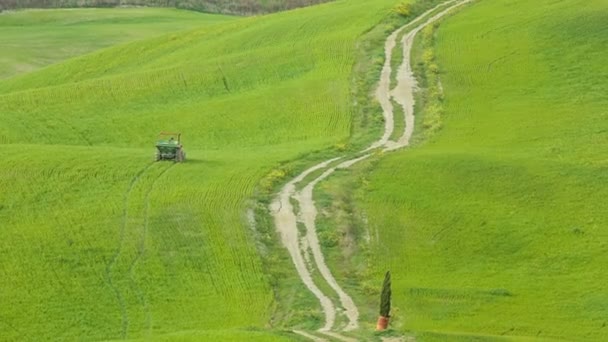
(286, 218)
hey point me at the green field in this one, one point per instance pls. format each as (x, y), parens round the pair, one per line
(36, 38)
(99, 242)
(496, 226)
(493, 224)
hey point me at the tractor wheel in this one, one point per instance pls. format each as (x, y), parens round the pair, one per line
(180, 156)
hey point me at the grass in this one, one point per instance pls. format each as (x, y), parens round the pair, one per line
(492, 229)
(496, 225)
(34, 39)
(229, 335)
(97, 242)
(399, 121)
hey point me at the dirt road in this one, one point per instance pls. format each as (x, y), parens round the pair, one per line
(286, 217)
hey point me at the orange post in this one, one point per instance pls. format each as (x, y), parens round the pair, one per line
(382, 323)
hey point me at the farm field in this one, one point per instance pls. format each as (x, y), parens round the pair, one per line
(496, 226)
(35, 38)
(99, 242)
(492, 221)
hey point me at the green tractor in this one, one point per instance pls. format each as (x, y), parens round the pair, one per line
(169, 147)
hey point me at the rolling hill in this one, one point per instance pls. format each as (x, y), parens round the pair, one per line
(496, 225)
(98, 241)
(492, 222)
(34, 39)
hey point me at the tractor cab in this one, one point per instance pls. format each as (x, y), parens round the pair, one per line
(169, 147)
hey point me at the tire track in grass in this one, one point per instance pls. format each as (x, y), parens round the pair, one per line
(403, 93)
(309, 336)
(308, 213)
(384, 85)
(286, 222)
(141, 249)
(283, 211)
(125, 214)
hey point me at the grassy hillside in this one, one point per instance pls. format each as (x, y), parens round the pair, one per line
(33, 39)
(99, 242)
(497, 226)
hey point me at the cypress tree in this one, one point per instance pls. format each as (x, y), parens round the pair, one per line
(385, 298)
